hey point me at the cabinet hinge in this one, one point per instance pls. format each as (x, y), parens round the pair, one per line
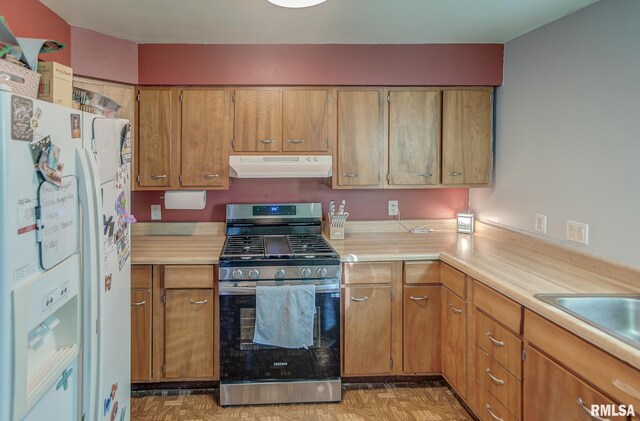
(388, 178)
(138, 178)
(180, 97)
(233, 143)
(164, 368)
(164, 297)
(391, 363)
(233, 97)
(524, 355)
(180, 178)
(388, 98)
(138, 97)
(328, 98)
(490, 98)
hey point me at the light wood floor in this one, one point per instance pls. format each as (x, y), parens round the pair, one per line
(402, 402)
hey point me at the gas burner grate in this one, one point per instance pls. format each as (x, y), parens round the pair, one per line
(309, 245)
(243, 246)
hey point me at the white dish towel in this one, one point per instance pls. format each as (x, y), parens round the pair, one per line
(284, 315)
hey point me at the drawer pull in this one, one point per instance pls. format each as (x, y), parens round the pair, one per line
(455, 310)
(628, 389)
(350, 175)
(454, 174)
(211, 176)
(425, 298)
(588, 411)
(265, 141)
(199, 302)
(494, 341)
(158, 177)
(296, 141)
(141, 303)
(494, 416)
(425, 174)
(359, 300)
(493, 378)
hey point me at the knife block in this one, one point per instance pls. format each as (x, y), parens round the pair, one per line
(334, 233)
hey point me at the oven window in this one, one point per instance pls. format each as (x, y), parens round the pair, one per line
(248, 323)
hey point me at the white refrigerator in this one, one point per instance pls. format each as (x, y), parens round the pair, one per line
(64, 339)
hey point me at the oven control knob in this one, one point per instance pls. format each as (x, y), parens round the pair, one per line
(305, 272)
(322, 272)
(280, 273)
(237, 274)
(253, 274)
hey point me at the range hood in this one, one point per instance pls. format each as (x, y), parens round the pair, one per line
(298, 166)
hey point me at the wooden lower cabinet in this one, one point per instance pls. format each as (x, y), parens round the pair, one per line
(189, 333)
(454, 341)
(141, 337)
(421, 330)
(553, 393)
(367, 331)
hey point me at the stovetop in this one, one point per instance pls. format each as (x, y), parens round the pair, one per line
(277, 247)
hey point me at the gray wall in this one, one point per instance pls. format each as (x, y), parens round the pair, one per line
(568, 130)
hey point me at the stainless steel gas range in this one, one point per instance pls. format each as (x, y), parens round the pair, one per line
(277, 244)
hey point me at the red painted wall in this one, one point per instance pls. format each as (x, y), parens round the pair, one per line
(361, 204)
(335, 64)
(104, 57)
(32, 19)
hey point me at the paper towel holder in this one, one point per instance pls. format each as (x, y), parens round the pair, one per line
(185, 199)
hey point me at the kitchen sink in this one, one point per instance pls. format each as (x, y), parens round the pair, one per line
(618, 315)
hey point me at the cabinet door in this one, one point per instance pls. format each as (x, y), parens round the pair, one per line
(141, 338)
(367, 331)
(467, 137)
(189, 333)
(421, 330)
(359, 138)
(454, 341)
(414, 137)
(552, 393)
(205, 135)
(257, 120)
(305, 121)
(154, 137)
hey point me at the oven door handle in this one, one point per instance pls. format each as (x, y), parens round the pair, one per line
(251, 290)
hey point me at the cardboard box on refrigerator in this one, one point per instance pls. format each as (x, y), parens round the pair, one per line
(56, 83)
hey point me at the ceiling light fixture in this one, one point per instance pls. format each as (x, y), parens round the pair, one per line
(296, 4)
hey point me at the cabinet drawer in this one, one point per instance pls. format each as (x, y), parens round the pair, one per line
(181, 277)
(141, 276)
(502, 345)
(421, 272)
(453, 279)
(368, 273)
(490, 409)
(501, 308)
(607, 373)
(503, 385)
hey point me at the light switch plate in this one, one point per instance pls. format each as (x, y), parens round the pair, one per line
(156, 212)
(578, 232)
(541, 223)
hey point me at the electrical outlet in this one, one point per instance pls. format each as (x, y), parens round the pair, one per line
(156, 212)
(541, 223)
(578, 232)
(393, 207)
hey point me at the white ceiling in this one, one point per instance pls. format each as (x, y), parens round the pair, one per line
(333, 22)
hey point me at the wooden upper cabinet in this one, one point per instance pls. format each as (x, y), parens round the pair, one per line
(414, 137)
(257, 120)
(467, 136)
(305, 120)
(154, 137)
(360, 124)
(205, 136)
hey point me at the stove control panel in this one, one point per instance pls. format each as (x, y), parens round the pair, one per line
(275, 272)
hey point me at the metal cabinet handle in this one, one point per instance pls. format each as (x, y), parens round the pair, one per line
(296, 140)
(359, 300)
(425, 298)
(141, 303)
(350, 175)
(211, 176)
(628, 389)
(455, 310)
(158, 177)
(588, 411)
(494, 416)
(265, 141)
(199, 302)
(494, 378)
(424, 174)
(454, 174)
(494, 341)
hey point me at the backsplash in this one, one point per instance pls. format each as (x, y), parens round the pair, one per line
(361, 204)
